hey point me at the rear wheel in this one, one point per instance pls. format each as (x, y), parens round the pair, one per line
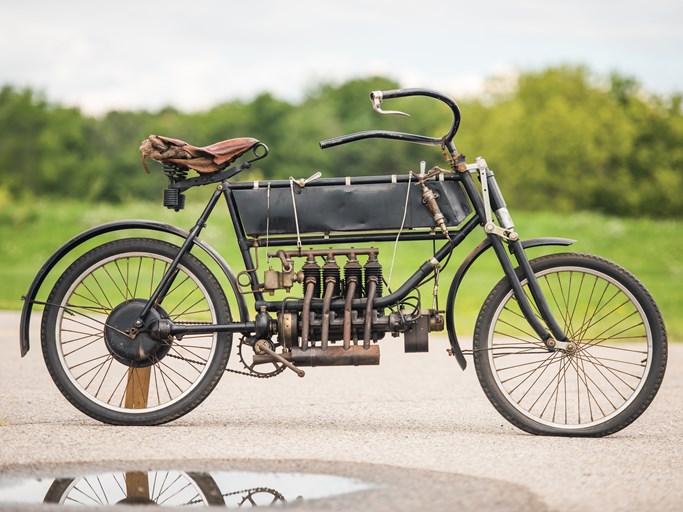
(134, 380)
(599, 384)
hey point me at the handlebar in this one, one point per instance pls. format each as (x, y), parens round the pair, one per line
(377, 96)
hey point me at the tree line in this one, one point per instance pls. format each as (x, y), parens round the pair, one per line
(559, 139)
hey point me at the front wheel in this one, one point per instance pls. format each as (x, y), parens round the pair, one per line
(125, 379)
(617, 360)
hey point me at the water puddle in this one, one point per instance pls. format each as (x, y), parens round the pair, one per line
(174, 488)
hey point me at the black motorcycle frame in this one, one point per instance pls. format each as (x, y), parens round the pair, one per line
(483, 202)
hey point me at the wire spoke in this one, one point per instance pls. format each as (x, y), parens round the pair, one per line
(557, 304)
(518, 329)
(582, 375)
(177, 287)
(125, 374)
(99, 389)
(161, 363)
(547, 363)
(176, 348)
(100, 368)
(598, 363)
(129, 293)
(171, 496)
(76, 365)
(113, 281)
(168, 378)
(556, 391)
(591, 320)
(536, 342)
(599, 336)
(576, 302)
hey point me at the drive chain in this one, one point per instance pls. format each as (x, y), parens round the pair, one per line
(227, 370)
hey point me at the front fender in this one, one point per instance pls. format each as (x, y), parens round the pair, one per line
(59, 254)
(460, 274)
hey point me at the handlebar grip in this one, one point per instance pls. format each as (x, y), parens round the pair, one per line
(336, 141)
(393, 93)
(416, 91)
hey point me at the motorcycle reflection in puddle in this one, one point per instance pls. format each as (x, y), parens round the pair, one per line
(179, 488)
(169, 488)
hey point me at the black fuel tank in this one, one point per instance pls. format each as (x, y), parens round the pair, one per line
(367, 203)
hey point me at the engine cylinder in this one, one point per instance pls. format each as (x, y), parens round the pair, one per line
(374, 268)
(332, 272)
(354, 271)
(311, 271)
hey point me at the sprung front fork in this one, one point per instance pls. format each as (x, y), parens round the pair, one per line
(491, 202)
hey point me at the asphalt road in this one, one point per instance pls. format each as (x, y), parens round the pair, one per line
(417, 428)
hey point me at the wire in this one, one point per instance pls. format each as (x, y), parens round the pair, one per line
(296, 217)
(403, 221)
(268, 223)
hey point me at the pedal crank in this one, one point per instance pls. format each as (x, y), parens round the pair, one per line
(280, 359)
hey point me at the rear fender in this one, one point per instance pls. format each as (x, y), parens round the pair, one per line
(460, 274)
(148, 225)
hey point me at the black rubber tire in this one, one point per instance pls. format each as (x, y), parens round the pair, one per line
(109, 260)
(511, 360)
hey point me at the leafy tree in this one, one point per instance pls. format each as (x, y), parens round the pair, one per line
(561, 140)
(558, 139)
(23, 116)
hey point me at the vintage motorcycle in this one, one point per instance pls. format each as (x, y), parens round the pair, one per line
(138, 331)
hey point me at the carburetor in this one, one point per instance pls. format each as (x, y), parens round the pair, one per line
(282, 279)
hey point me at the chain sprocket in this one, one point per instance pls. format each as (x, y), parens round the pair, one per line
(274, 496)
(247, 495)
(243, 352)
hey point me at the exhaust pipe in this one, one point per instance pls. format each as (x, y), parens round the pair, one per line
(355, 355)
(372, 290)
(327, 300)
(306, 313)
(350, 294)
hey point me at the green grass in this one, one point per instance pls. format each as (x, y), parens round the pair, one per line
(650, 249)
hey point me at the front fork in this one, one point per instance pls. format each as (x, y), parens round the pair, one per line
(491, 200)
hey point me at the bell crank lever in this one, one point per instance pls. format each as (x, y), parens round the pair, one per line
(282, 360)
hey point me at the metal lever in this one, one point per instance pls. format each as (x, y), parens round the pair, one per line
(282, 360)
(376, 99)
(303, 182)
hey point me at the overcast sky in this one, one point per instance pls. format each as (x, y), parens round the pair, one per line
(125, 54)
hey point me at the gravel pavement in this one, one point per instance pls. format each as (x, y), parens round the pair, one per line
(416, 427)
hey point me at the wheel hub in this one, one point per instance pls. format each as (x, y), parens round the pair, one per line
(134, 346)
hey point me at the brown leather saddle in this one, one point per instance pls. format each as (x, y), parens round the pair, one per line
(204, 160)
